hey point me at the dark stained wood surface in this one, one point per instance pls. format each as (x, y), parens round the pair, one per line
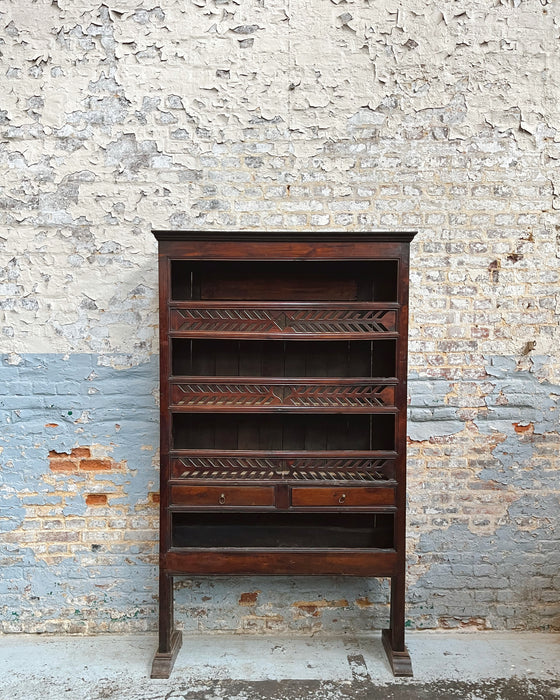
(283, 361)
(223, 495)
(270, 320)
(200, 394)
(268, 237)
(296, 563)
(342, 496)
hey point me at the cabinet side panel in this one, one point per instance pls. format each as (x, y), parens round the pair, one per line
(402, 370)
(164, 373)
(397, 630)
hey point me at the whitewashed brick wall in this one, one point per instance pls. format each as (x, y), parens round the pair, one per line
(121, 117)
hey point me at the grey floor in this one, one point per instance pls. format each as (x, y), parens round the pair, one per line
(469, 666)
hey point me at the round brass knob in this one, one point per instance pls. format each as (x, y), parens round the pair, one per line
(342, 498)
(222, 499)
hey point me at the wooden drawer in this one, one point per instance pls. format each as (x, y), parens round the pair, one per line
(363, 496)
(222, 495)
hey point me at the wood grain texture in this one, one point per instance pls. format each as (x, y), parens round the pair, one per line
(399, 660)
(302, 562)
(223, 495)
(343, 497)
(283, 410)
(162, 664)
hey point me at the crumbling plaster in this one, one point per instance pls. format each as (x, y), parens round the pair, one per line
(113, 113)
(119, 117)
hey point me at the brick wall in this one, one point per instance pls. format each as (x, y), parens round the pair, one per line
(289, 116)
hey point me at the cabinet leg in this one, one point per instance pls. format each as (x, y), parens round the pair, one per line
(170, 640)
(393, 638)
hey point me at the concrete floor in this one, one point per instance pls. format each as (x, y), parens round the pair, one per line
(484, 666)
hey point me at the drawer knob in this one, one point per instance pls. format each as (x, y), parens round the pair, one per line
(222, 499)
(342, 498)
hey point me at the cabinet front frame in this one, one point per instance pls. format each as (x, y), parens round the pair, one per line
(283, 247)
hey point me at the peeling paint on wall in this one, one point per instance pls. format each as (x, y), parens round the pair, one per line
(351, 115)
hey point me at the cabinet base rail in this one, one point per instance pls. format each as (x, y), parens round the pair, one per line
(163, 662)
(170, 639)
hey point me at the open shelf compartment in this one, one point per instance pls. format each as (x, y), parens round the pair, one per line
(282, 358)
(283, 530)
(303, 280)
(287, 431)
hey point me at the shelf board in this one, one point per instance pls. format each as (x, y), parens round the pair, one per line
(308, 562)
(288, 454)
(290, 305)
(263, 379)
(308, 410)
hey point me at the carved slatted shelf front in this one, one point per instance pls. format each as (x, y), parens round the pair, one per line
(234, 320)
(200, 394)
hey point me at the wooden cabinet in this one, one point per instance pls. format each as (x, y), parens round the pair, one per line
(283, 411)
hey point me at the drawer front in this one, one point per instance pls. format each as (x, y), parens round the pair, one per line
(222, 495)
(321, 497)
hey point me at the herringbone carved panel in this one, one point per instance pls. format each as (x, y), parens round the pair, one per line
(299, 468)
(263, 395)
(297, 321)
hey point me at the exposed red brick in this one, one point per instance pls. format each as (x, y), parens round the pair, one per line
(67, 462)
(51, 425)
(478, 332)
(81, 452)
(96, 465)
(363, 602)
(54, 453)
(58, 464)
(96, 499)
(524, 428)
(314, 607)
(248, 599)
(309, 609)
(153, 497)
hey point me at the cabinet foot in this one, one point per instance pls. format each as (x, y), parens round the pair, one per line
(163, 661)
(401, 664)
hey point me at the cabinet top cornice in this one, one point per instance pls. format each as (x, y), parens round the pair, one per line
(287, 236)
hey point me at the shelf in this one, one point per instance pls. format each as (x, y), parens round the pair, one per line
(282, 530)
(301, 359)
(286, 431)
(302, 280)
(282, 562)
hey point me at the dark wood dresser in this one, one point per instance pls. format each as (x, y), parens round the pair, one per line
(283, 363)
